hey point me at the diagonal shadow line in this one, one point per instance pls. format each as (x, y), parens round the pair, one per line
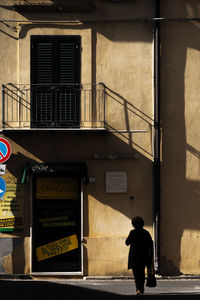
(127, 138)
(13, 28)
(129, 104)
(17, 99)
(127, 123)
(9, 35)
(193, 150)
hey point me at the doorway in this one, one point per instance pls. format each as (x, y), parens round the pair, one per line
(56, 224)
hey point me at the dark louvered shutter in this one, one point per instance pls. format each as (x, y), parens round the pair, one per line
(67, 63)
(43, 63)
(55, 78)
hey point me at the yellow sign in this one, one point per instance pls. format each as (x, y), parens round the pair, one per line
(57, 188)
(10, 223)
(56, 248)
(11, 205)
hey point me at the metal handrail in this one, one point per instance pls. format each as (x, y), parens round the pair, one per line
(50, 106)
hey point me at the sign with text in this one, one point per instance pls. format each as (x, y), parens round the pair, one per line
(61, 221)
(56, 248)
(116, 182)
(11, 205)
(57, 188)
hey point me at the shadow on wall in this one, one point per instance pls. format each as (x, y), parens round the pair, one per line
(179, 192)
(133, 120)
(65, 147)
(180, 195)
(108, 151)
(86, 10)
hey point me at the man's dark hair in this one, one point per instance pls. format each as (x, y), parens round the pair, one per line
(137, 222)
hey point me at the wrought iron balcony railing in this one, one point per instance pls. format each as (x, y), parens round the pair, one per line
(53, 106)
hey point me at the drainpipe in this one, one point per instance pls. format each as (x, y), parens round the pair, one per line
(156, 163)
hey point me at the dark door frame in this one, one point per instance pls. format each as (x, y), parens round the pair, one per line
(83, 178)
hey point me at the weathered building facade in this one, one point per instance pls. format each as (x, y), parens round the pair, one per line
(100, 104)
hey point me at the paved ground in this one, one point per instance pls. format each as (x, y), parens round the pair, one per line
(127, 287)
(96, 289)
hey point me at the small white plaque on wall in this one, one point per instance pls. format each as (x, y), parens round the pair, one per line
(116, 182)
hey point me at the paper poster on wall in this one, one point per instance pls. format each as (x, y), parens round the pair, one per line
(11, 205)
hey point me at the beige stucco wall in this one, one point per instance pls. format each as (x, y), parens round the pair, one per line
(106, 217)
(124, 64)
(109, 215)
(111, 53)
(180, 109)
(120, 54)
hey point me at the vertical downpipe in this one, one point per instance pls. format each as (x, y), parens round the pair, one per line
(156, 164)
(3, 107)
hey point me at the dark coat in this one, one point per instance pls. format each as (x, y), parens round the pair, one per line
(141, 248)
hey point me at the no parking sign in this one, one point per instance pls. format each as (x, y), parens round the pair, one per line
(5, 150)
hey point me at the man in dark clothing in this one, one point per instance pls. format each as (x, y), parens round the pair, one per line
(140, 253)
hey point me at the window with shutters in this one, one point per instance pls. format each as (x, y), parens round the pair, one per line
(55, 81)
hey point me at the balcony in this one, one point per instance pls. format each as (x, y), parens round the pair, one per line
(53, 107)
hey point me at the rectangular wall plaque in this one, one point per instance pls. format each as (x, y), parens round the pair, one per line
(116, 182)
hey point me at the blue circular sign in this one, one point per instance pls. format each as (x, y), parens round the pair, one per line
(2, 187)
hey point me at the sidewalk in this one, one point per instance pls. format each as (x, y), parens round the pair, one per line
(96, 289)
(127, 287)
